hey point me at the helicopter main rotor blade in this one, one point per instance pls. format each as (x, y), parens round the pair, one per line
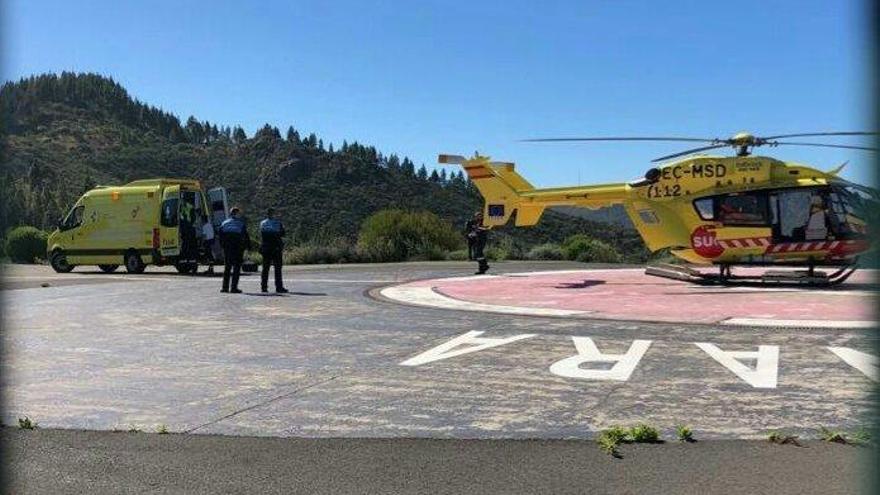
(688, 152)
(810, 134)
(576, 139)
(821, 145)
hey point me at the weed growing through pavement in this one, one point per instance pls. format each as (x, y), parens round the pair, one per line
(684, 434)
(780, 438)
(861, 437)
(832, 436)
(642, 433)
(162, 430)
(611, 438)
(134, 429)
(26, 423)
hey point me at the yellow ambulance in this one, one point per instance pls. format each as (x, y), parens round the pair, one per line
(145, 222)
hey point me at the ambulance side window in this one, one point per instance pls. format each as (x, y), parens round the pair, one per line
(74, 218)
(169, 213)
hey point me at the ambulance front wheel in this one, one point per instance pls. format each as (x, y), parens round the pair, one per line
(59, 262)
(134, 263)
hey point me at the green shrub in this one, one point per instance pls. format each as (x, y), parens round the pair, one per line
(397, 235)
(504, 249)
(26, 244)
(547, 251)
(339, 251)
(582, 248)
(457, 255)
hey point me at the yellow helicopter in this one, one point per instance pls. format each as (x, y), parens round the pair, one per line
(712, 210)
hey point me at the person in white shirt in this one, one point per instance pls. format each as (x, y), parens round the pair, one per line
(208, 243)
(817, 229)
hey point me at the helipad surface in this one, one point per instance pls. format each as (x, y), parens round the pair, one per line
(631, 295)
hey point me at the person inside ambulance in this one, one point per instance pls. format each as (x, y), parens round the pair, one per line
(189, 244)
(207, 238)
(235, 241)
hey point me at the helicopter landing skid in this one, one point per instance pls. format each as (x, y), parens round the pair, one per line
(809, 277)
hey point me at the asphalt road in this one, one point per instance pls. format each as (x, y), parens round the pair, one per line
(47, 461)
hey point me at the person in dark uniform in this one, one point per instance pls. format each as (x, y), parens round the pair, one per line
(480, 235)
(189, 246)
(235, 241)
(271, 247)
(469, 228)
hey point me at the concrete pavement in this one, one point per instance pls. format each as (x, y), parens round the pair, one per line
(329, 361)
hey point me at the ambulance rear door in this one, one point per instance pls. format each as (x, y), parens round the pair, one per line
(218, 202)
(169, 222)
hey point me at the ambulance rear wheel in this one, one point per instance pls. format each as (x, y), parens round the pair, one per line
(134, 263)
(59, 262)
(108, 268)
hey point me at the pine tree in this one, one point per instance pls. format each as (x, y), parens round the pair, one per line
(408, 167)
(194, 131)
(292, 136)
(238, 135)
(393, 162)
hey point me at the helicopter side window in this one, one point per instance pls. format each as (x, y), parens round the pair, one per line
(747, 209)
(705, 208)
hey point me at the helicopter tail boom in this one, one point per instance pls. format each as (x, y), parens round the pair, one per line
(505, 192)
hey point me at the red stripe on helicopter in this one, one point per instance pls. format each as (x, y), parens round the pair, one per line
(747, 242)
(836, 247)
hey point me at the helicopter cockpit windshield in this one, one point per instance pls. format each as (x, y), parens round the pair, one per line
(816, 214)
(851, 207)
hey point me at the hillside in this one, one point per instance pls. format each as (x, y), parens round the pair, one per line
(63, 134)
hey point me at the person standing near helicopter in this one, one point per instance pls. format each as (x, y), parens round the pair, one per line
(478, 235)
(469, 227)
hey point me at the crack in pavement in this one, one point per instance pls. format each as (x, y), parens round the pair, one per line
(263, 403)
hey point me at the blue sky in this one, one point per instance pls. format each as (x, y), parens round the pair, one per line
(421, 78)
